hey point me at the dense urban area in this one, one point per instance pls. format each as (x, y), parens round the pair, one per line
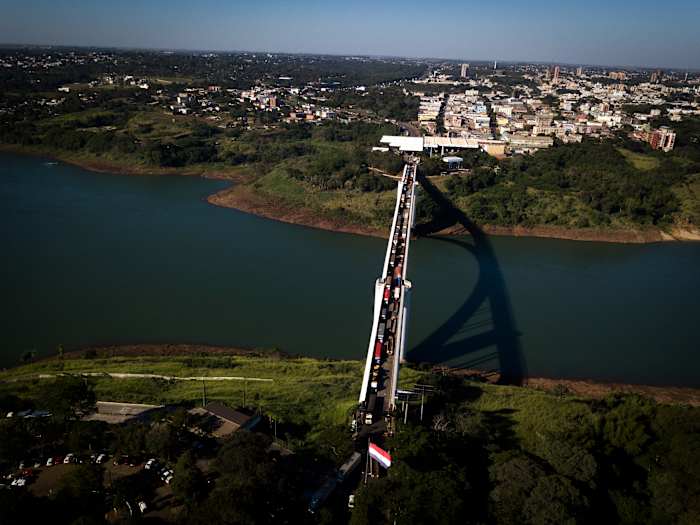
(197, 434)
(309, 138)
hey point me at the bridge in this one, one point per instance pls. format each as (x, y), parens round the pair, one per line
(387, 342)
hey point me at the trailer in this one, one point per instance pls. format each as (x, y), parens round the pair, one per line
(349, 466)
(378, 351)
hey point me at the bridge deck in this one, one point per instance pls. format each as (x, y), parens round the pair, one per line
(391, 301)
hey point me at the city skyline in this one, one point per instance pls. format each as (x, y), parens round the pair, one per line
(596, 33)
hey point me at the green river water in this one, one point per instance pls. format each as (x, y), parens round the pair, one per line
(93, 258)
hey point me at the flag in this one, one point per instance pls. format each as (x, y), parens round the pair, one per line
(382, 456)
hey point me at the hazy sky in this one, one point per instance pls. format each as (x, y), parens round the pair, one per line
(616, 32)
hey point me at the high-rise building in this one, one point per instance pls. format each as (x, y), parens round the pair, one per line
(495, 65)
(464, 73)
(685, 79)
(656, 75)
(617, 75)
(555, 76)
(579, 71)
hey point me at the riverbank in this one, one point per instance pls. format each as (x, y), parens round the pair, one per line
(242, 196)
(127, 362)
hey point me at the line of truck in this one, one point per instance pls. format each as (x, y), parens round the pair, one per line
(385, 341)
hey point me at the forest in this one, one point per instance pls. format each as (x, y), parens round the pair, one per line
(591, 184)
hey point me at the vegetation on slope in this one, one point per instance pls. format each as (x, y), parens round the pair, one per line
(481, 453)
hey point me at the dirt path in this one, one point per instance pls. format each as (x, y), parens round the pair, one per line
(126, 375)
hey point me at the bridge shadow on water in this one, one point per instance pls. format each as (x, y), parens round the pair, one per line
(481, 333)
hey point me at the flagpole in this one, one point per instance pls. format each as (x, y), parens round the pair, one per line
(369, 442)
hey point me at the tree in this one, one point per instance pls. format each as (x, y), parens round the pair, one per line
(161, 440)
(253, 487)
(68, 397)
(131, 439)
(626, 425)
(555, 501)
(80, 492)
(15, 440)
(568, 459)
(514, 477)
(188, 481)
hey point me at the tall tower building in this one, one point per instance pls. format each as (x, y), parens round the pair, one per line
(464, 72)
(579, 71)
(555, 77)
(495, 65)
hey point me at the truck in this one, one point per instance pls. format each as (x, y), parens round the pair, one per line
(397, 274)
(349, 466)
(380, 331)
(369, 413)
(378, 351)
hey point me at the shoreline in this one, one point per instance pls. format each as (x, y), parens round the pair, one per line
(586, 388)
(238, 196)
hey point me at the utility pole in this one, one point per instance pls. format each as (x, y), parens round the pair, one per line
(421, 405)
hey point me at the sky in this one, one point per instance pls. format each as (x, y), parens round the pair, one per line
(606, 32)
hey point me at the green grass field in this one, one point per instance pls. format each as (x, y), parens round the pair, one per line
(640, 161)
(303, 391)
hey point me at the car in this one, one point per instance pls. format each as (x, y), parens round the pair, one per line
(38, 463)
(142, 506)
(93, 458)
(70, 458)
(120, 460)
(19, 482)
(101, 458)
(351, 501)
(151, 464)
(166, 475)
(23, 464)
(49, 462)
(57, 460)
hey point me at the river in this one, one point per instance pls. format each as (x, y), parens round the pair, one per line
(91, 258)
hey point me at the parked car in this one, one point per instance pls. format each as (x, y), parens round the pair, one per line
(120, 460)
(101, 458)
(142, 506)
(49, 462)
(70, 458)
(19, 482)
(166, 475)
(151, 464)
(57, 460)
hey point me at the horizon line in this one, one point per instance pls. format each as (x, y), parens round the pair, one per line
(5, 45)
